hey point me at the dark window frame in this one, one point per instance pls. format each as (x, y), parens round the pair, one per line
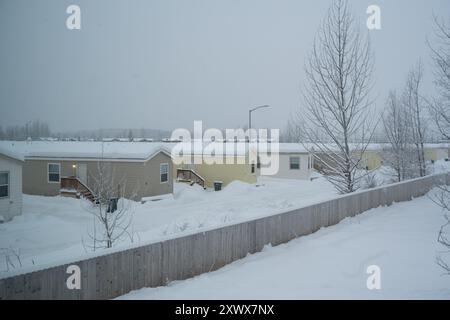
(7, 185)
(162, 174)
(294, 166)
(52, 173)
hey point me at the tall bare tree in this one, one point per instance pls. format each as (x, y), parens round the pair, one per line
(440, 110)
(337, 121)
(416, 105)
(440, 53)
(397, 130)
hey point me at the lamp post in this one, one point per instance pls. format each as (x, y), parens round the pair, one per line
(27, 131)
(250, 118)
(250, 114)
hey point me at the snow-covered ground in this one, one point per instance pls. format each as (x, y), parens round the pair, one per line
(51, 229)
(332, 263)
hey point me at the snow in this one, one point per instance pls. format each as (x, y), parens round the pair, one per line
(440, 166)
(332, 263)
(157, 198)
(50, 229)
(292, 148)
(83, 149)
(11, 153)
(303, 147)
(139, 150)
(208, 148)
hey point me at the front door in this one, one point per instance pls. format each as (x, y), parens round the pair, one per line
(82, 172)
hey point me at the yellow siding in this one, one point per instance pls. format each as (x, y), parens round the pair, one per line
(222, 172)
(430, 154)
(371, 159)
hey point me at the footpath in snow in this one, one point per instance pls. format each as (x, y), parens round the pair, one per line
(401, 239)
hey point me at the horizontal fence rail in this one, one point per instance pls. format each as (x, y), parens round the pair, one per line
(156, 264)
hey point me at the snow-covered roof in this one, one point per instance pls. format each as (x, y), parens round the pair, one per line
(234, 148)
(297, 147)
(292, 148)
(83, 149)
(11, 154)
(206, 148)
(141, 151)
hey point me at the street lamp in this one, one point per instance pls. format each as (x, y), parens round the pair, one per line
(27, 131)
(250, 114)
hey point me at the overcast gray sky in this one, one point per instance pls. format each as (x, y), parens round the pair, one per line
(165, 63)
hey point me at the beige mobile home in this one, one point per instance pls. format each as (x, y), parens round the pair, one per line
(10, 184)
(137, 170)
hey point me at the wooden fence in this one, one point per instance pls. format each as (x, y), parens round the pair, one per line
(155, 264)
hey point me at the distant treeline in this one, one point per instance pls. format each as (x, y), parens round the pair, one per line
(99, 134)
(37, 129)
(32, 129)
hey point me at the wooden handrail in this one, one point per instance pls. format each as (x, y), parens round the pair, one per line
(190, 175)
(75, 184)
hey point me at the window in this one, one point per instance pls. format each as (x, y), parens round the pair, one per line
(54, 171)
(294, 163)
(4, 184)
(163, 172)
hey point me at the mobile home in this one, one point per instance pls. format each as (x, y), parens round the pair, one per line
(136, 170)
(10, 184)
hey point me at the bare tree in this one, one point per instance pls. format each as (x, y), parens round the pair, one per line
(442, 199)
(397, 129)
(440, 110)
(416, 105)
(440, 53)
(11, 258)
(337, 121)
(112, 213)
(291, 132)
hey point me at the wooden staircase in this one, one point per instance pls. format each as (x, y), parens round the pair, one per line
(190, 176)
(73, 187)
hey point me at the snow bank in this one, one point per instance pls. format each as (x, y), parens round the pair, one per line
(332, 263)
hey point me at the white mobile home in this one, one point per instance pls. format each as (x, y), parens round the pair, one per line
(295, 162)
(10, 185)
